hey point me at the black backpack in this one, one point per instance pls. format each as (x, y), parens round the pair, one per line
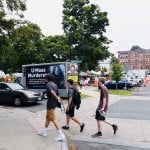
(76, 98)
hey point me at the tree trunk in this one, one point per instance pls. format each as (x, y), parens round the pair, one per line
(116, 85)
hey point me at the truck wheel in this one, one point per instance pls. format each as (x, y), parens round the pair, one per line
(45, 95)
(17, 101)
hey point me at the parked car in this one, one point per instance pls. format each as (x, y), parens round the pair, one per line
(13, 93)
(20, 82)
(133, 80)
(118, 85)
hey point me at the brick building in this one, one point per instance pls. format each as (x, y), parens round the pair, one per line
(136, 59)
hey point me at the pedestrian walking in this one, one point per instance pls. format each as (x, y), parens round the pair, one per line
(86, 83)
(53, 100)
(102, 109)
(70, 109)
(80, 83)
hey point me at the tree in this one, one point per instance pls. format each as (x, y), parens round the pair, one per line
(105, 69)
(9, 8)
(97, 68)
(116, 72)
(56, 48)
(114, 60)
(5, 52)
(85, 24)
(136, 48)
(25, 47)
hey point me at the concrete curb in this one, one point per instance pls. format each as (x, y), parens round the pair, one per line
(64, 144)
(119, 144)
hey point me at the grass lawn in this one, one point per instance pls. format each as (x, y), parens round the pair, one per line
(120, 92)
(83, 96)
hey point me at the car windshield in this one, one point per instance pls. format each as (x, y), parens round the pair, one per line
(15, 86)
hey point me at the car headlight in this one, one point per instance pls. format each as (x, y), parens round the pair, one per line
(29, 94)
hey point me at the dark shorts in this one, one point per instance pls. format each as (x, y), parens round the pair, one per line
(70, 113)
(100, 116)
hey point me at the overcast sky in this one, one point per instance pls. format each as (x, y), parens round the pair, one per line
(129, 20)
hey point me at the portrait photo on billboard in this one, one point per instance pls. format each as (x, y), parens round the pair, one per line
(72, 69)
(58, 71)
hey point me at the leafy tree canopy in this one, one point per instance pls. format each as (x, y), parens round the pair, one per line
(24, 47)
(55, 48)
(137, 48)
(116, 72)
(9, 8)
(85, 24)
(11, 12)
(114, 60)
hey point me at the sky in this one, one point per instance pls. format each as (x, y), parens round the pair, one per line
(129, 20)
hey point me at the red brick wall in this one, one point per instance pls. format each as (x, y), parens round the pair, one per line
(137, 60)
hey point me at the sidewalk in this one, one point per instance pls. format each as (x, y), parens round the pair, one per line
(16, 132)
(130, 131)
(19, 127)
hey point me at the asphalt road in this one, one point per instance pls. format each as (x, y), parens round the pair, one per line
(37, 107)
(125, 109)
(144, 92)
(102, 146)
(33, 107)
(30, 107)
(132, 109)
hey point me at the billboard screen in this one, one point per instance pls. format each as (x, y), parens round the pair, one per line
(35, 75)
(72, 71)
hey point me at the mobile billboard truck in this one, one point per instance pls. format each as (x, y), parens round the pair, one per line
(34, 75)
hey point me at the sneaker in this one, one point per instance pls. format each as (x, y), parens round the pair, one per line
(97, 135)
(82, 127)
(65, 127)
(115, 128)
(60, 137)
(42, 133)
